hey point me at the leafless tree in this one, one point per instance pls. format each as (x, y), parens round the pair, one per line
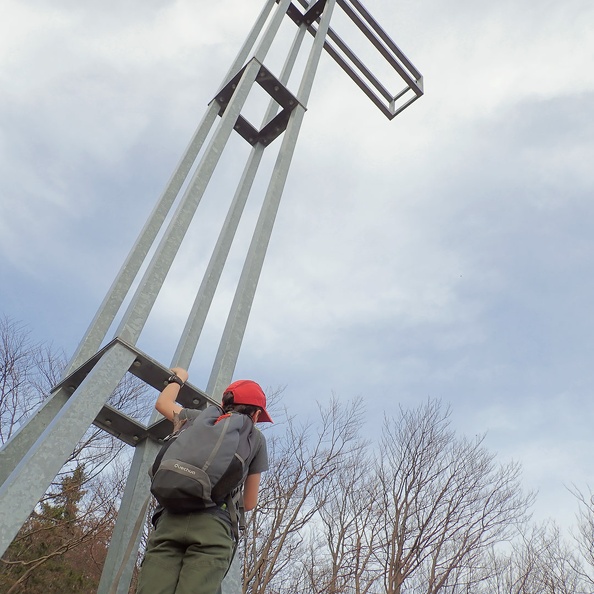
(302, 457)
(445, 502)
(584, 537)
(539, 561)
(22, 372)
(349, 526)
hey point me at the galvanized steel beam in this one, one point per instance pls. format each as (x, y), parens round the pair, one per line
(31, 460)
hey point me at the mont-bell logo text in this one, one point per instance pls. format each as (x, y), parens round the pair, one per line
(184, 469)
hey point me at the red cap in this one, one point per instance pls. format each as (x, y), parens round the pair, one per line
(249, 392)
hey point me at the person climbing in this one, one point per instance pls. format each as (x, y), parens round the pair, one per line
(191, 547)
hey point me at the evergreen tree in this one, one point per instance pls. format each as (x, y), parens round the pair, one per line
(60, 547)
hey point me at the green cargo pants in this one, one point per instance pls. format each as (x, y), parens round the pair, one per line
(186, 554)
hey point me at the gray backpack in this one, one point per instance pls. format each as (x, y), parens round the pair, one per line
(205, 463)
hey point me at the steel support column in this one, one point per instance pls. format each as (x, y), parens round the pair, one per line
(37, 452)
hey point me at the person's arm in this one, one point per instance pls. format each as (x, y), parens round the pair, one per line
(250, 491)
(166, 403)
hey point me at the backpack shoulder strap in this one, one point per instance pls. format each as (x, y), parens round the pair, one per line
(234, 501)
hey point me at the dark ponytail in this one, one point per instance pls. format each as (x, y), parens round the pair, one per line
(229, 406)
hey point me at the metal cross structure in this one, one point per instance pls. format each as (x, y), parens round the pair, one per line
(34, 456)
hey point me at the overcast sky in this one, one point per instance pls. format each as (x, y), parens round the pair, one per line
(445, 254)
